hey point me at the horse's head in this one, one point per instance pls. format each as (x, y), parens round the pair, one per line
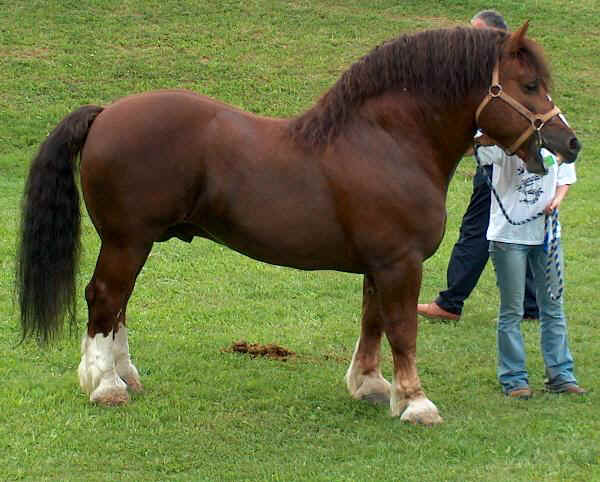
(518, 112)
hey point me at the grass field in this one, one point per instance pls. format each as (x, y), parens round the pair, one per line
(212, 415)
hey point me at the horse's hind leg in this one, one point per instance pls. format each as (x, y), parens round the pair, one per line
(106, 369)
(125, 368)
(363, 378)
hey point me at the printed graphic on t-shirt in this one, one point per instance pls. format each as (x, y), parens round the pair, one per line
(529, 187)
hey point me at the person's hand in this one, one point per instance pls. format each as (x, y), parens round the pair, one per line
(552, 206)
(561, 192)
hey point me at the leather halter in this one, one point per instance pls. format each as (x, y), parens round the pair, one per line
(537, 121)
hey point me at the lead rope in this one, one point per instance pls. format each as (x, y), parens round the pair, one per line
(551, 249)
(550, 229)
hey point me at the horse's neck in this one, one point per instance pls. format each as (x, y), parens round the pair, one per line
(444, 130)
(453, 130)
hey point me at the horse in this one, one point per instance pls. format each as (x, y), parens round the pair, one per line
(357, 183)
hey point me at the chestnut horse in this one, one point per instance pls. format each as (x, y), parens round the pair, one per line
(357, 184)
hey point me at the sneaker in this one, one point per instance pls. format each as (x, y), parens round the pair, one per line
(434, 311)
(523, 393)
(566, 388)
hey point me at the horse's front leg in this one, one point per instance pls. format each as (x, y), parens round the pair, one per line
(398, 287)
(106, 370)
(363, 378)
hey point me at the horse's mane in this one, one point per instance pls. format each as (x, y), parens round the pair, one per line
(439, 65)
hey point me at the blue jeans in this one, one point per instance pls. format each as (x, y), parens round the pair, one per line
(510, 262)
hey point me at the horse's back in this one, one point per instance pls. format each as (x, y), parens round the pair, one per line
(175, 163)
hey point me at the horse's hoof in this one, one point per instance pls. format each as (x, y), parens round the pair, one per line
(372, 388)
(421, 412)
(110, 397)
(423, 419)
(376, 398)
(133, 384)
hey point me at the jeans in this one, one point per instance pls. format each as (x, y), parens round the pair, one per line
(470, 253)
(510, 261)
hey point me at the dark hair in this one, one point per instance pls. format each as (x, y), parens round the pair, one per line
(440, 64)
(492, 19)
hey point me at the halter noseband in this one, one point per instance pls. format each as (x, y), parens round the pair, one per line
(537, 121)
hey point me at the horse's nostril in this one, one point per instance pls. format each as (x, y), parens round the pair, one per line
(574, 144)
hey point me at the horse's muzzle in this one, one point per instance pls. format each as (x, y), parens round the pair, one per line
(574, 148)
(566, 150)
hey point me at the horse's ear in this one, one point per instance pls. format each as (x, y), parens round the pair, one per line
(516, 38)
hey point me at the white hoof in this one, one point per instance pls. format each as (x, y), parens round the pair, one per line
(97, 374)
(371, 387)
(113, 392)
(420, 411)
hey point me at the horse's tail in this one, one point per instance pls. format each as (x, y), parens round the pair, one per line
(48, 252)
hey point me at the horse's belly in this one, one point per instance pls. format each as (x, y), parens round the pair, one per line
(286, 234)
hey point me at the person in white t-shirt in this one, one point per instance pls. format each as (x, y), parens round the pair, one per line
(523, 195)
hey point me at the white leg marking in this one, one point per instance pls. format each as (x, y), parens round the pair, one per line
(371, 386)
(97, 374)
(125, 369)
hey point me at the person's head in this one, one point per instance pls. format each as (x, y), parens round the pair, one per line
(489, 19)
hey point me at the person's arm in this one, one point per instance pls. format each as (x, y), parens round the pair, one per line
(561, 192)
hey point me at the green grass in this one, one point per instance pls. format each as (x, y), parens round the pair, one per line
(210, 415)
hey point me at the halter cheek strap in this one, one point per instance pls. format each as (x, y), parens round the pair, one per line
(537, 121)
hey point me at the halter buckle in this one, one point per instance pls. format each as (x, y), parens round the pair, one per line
(495, 90)
(538, 123)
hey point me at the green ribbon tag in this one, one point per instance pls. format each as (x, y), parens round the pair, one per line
(548, 160)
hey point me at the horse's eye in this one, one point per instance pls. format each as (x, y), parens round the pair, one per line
(531, 86)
